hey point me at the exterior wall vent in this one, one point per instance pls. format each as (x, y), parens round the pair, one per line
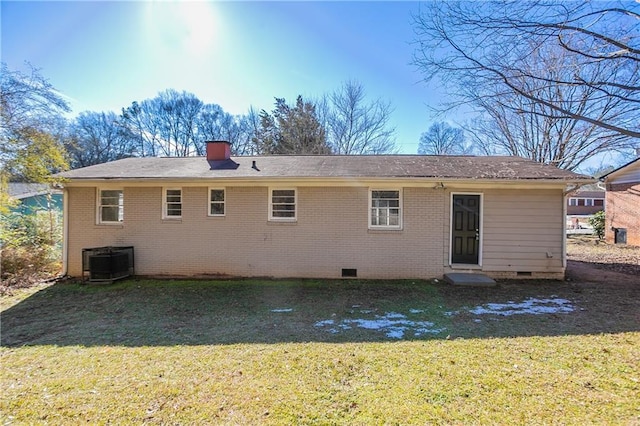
(349, 273)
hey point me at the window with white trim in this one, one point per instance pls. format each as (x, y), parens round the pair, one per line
(282, 204)
(110, 206)
(385, 210)
(172, 203)
(216, 202)
(573, 201)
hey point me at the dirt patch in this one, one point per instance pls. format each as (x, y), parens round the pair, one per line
(596, 261)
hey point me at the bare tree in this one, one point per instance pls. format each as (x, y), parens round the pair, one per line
(141, 119)
(487, 55)
(98, 137)
(249, 143)
(355, 126)
(177, 124)
(179, 112)
(511, 124)
(28, 100)
(442, 139)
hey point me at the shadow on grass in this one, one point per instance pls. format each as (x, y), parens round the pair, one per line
(624, 268)
(166, 313)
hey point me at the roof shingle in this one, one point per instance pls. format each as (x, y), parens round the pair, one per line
(327, 166)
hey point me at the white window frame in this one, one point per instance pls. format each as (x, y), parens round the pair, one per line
(211, 202)
(573, 202)
(273, 218)
(400, 210)
(99, 207)
(165, 203)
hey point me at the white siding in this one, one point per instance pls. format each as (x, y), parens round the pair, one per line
(523, 231)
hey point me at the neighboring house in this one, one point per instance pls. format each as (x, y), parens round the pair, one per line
(585, 201)
(622, 224)
(581, 205)
(388, 216)
(35, 197)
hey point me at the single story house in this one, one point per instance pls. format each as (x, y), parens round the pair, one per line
(35, 197)
(583, 203)
(586, 201)
(622, 219)
(377, 216)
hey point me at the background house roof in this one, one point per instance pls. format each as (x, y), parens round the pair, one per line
(327, 166)
(591, 190)
(20, 190)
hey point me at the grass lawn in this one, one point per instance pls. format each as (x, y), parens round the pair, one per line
(321, 352)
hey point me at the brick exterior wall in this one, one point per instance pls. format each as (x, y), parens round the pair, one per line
(581, 196)
(331, 233)
(583, 210)
(623, 211)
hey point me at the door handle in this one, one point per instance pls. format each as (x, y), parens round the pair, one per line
(477, 235)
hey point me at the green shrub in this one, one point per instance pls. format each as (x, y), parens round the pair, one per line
(597, 222)
(31, 247)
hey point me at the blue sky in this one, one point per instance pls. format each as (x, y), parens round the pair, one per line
(105, 55)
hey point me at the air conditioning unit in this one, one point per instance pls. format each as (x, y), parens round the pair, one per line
(110, 266)
(107, 264)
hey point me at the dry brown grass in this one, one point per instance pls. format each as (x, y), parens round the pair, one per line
(618, 258)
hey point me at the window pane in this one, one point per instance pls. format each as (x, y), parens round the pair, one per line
(283, 200)
(110, 214)
(284, 193)
(598, 202)
(385, 194)
(284, 213)
(394, 219)
(174, 195)
(217, 195)
(110, 197)
(217, 208)
(174, 210)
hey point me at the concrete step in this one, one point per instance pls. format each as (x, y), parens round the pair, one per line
(469, 279)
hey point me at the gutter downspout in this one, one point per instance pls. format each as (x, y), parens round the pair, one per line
(65, 231)
(564, 230)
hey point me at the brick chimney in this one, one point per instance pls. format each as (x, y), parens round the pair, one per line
(218, 150)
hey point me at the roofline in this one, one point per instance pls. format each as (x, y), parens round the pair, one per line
(317, 181)
(24, 195)
(603, 177)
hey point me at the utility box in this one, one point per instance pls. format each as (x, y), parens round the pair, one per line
(107, 264)
(620, 236)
